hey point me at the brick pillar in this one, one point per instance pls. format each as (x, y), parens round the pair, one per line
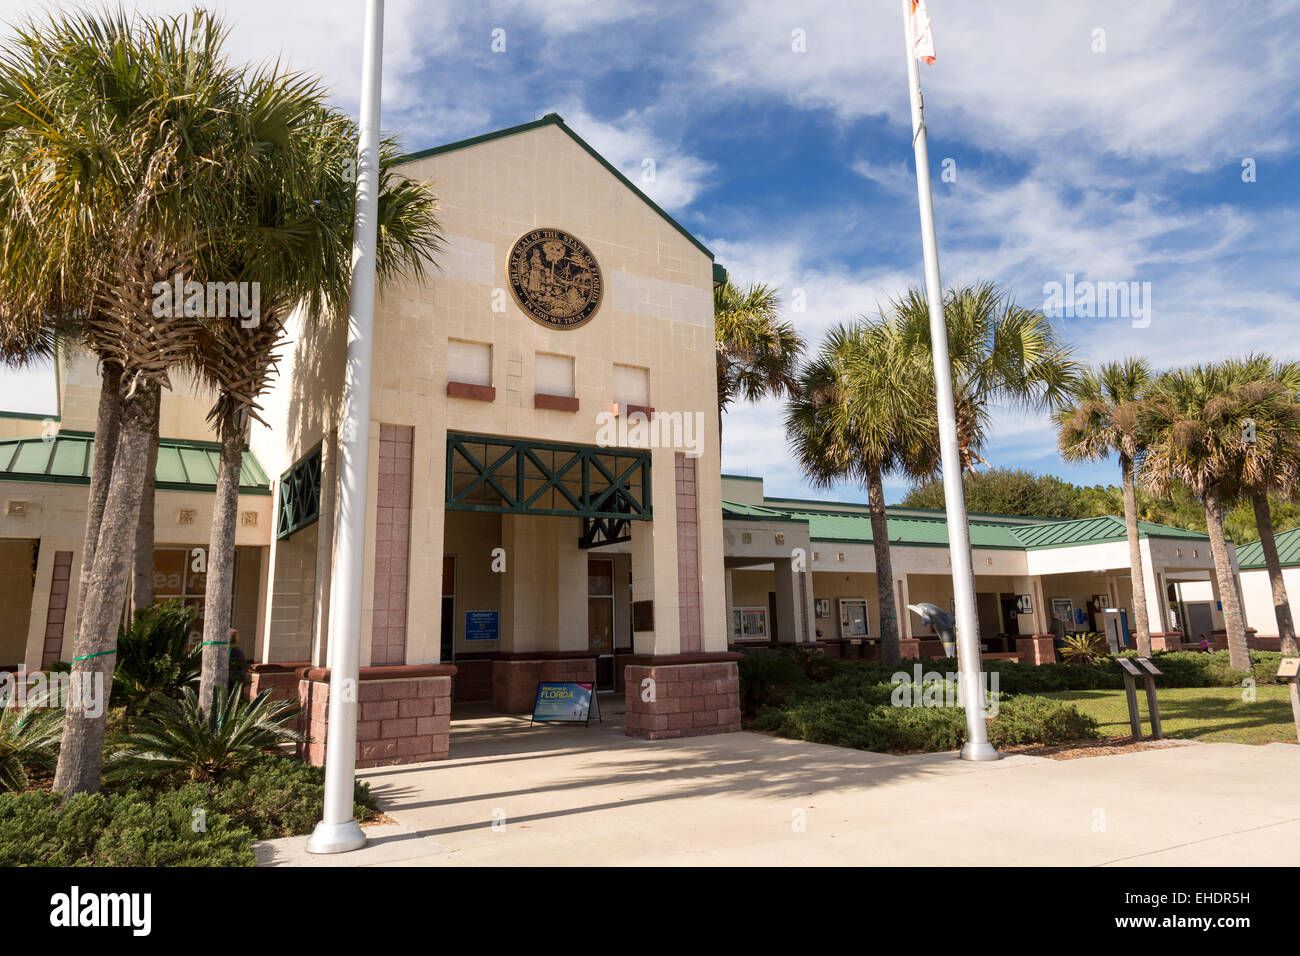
(56, 613)
(404, 714)
(1036, 649)
(909, 647)
(392, 546)
(667, 699)
(688, 554)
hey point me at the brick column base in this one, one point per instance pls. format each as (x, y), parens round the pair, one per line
(514, 681)
(280, 679)
(402, 719)
(1165, 642)
(1036, 649)
(909, 647)
(689, 699)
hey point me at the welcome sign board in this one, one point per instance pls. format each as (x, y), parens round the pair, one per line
(565, 703)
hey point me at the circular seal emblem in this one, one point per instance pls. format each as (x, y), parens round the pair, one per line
(554, 278)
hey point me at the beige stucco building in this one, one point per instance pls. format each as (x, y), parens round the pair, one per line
(545, 498)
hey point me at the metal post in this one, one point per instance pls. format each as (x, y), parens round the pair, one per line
(977, 745)
(338, 831)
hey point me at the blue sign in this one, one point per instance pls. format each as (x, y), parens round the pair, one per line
(482, 625)
(566, 702)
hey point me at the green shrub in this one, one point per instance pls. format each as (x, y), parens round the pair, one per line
(848, 722)
(1039, 720)
(174, 735)
(195, 824)
(153, 654)
(765, 677)
(126, 829)
(29, 740)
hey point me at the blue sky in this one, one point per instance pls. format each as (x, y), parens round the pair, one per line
(1113, 156)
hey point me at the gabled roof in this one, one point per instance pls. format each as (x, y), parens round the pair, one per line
(554, 119)
(183, 465)
(1094, 531)
(1251, 556)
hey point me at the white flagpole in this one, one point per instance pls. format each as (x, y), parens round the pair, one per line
(977, 745)
(338, 831)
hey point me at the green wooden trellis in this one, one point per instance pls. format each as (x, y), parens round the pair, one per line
(607, 487)
(299, 495)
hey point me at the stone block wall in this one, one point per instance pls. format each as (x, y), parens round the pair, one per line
(399, 721)
(514, 682)
(689, 700)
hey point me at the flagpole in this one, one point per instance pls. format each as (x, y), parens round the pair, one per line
(977, 745)
(338, 831)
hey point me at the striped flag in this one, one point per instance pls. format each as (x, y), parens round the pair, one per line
(922, 35)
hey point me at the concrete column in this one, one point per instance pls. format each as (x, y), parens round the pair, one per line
(787, 601)
(325, 548)
(544, 589)
(903, 598)
(1028, 623)
(729, 587)
(428, 525)
(40, 605)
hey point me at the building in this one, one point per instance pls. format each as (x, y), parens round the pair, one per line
(1257, 591)
(545, 498)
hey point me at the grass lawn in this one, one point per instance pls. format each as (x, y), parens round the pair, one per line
(1211, 714)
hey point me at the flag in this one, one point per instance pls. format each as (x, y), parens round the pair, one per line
(922, 35)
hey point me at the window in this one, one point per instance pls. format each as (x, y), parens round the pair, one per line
(555, 375)
(299, 495)
(631, 385)
(469, 362)
(749, 623)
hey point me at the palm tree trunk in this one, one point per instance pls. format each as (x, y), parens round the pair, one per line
(1238, 654)
(1281, 602)
(1138, 576)
(81, 752)
(108, 422)
(890, 652)
(221, 563)
(143, 583)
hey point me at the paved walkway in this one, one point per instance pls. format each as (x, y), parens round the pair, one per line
(572, 795)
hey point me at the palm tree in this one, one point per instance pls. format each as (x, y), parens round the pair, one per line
(847, 420)
(1101, 419)
(1192, 428)
(1000, 355)
(121, 122)
(757, 353)
(1270, 460)
(294, 238)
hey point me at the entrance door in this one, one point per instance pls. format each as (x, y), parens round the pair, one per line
(600, 619)
(448, 643)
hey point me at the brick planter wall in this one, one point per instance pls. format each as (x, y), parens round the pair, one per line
(1036, 649)
(280, 679)
(400, 719)
(514, 682)
(690, 699)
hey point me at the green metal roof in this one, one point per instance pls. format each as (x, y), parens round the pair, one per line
(854, 527)
(67, 458)
(554, 119)
(1251, 556)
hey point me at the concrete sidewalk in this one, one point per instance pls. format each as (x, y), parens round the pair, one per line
(571, 795)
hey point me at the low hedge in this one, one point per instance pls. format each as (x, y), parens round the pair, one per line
(864, 724)
(1180, 669)
(173, 824)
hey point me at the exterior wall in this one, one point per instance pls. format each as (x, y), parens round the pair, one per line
(17, 574)
(293, 597)
(471, 537)
(1257, 598)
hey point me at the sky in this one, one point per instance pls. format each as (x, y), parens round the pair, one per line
(1071, 143)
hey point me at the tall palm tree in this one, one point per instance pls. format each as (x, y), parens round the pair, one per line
(1000, 355)
(122, 121)
(757, 353)
(295, 240)
(1270, 460)
(1101, 419)
(847, 420)
(1192, 425)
